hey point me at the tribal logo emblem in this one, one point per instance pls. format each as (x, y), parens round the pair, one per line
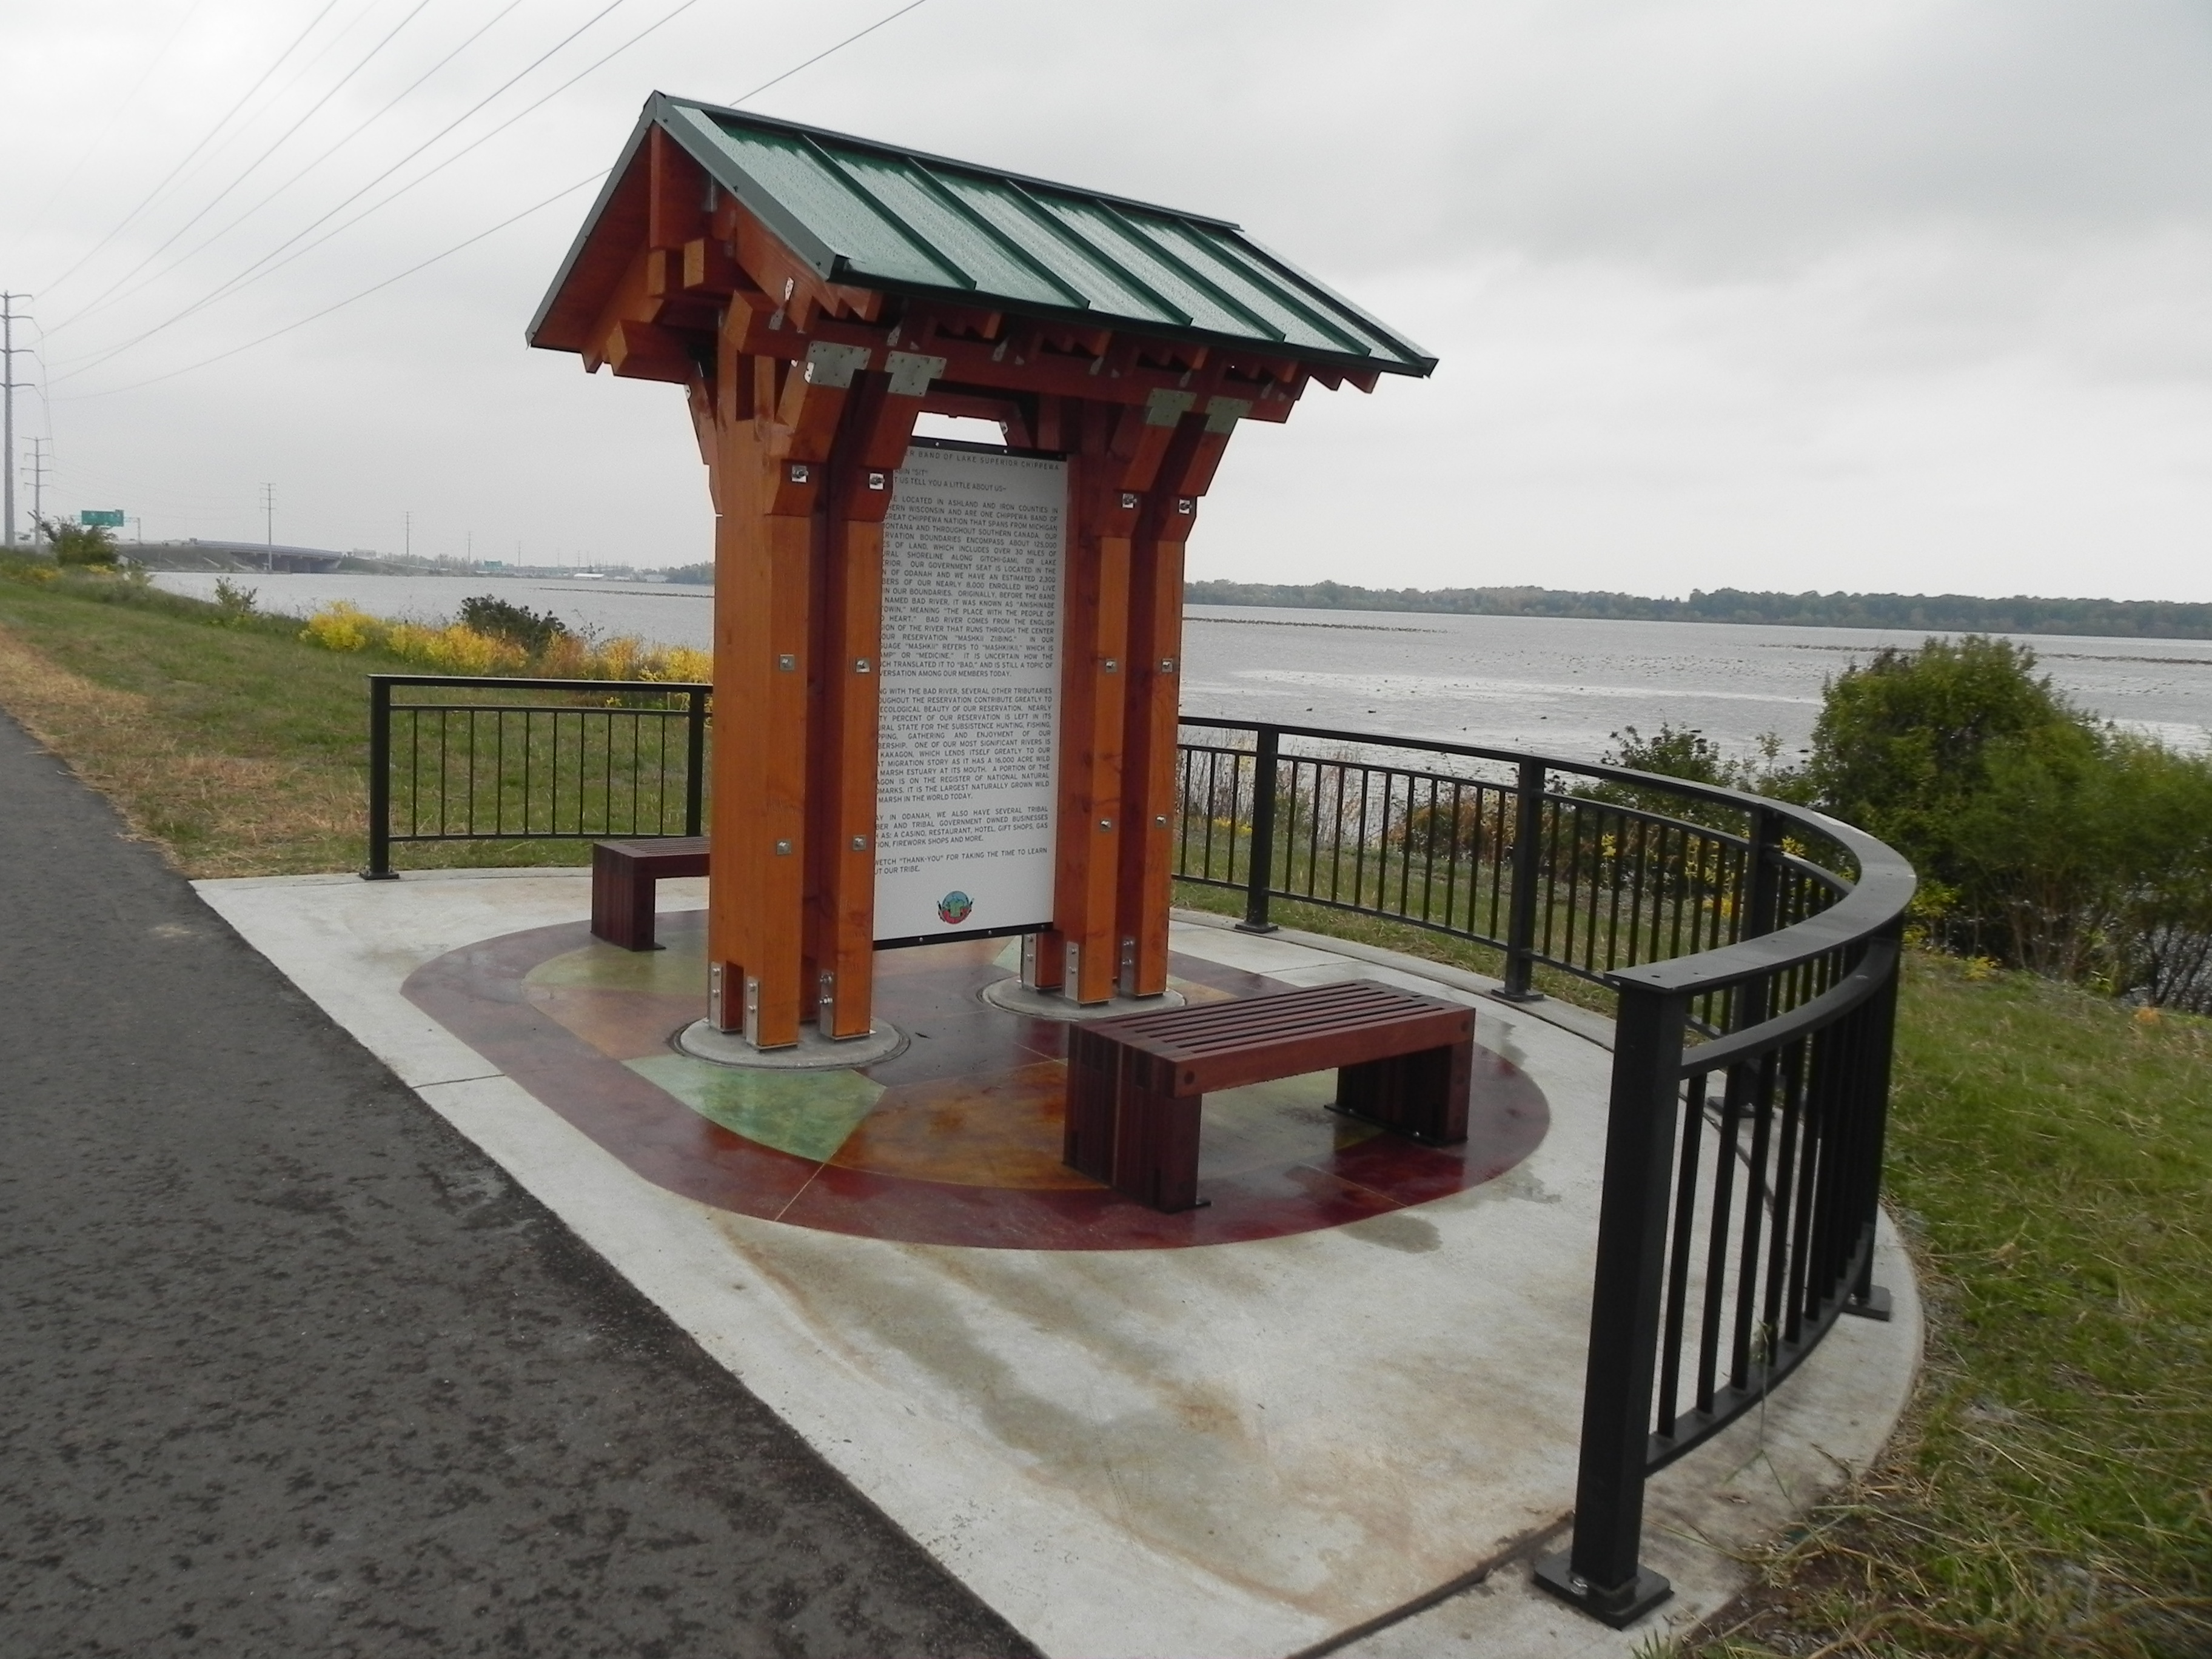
(954, 907)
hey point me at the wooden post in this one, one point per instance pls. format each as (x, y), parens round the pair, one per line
(870, 448)
(1153, 691)
(1094, 653)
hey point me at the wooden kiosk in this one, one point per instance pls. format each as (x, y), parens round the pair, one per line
(893, 727)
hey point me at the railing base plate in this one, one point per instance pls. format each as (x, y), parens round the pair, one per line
(1618, 1608)
(1876, 1306)
(1259, 927)
(379, 875)
(1503, 995)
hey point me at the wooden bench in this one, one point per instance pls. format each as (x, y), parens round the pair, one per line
(623, 876)
(1135, 1085)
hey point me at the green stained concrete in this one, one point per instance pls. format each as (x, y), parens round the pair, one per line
(806, 1114)
(678, 972)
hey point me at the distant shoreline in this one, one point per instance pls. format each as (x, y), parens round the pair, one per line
(1941, 613)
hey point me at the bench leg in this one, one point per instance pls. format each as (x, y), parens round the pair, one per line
(623, 892)
(1093, 1073)
(1423, 1095)
(1156, 1149)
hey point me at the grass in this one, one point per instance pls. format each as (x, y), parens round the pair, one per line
(2051, 1158)
(227, 742)
(2050, 1161)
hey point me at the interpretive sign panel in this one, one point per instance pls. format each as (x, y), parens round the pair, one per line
(968, 762)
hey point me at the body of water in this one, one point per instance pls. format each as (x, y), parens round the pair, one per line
(1558, 685)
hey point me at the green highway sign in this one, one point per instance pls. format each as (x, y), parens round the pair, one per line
(111, 517)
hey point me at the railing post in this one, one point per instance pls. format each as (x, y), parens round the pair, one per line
(1867, 1299)
(1763, 873)
(694, 763)
(380, 780)
(1261, 856)
(1527, 875)
(1762, 900)
(1601, 1573)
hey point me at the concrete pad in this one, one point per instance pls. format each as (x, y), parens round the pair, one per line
(1249, 1448)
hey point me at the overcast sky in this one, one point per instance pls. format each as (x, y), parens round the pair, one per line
(1890, 295)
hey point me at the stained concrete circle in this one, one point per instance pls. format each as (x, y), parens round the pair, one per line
(1017, 998)
(813, 1052)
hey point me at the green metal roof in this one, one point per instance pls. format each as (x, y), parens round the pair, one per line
(876, 215)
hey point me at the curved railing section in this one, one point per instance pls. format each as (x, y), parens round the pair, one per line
(1753, 950)
(1751, 947)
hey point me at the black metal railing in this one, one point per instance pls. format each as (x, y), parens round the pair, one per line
(455, 757)
(1494, 846)
(1751, 947)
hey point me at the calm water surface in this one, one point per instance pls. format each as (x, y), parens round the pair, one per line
(1557, 684)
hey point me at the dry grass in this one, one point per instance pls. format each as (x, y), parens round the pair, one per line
(215, 814)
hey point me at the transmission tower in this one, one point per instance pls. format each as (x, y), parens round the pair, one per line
(268, 524)
(8, 316)
(38, 472)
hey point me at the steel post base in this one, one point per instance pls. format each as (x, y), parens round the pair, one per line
(1619, 1607)
(1875, 1306)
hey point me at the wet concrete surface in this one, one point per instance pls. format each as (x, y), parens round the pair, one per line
(287, 1366)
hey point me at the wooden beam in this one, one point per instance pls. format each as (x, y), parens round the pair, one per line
(640, 351)
(676, 199)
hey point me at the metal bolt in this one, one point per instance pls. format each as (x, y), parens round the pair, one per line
(1161, 822)
(799, 473)
(860, 843)
(860, 665)
(1113, 665)
(787, 664)
(1128, 499)
(783, 849)
(879, 481)
(1185, 505)
(1167, 664)
(1105, 823)
(1577, 1584)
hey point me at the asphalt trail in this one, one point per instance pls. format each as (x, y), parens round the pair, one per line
(287, 1367)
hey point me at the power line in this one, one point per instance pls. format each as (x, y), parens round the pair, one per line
(268, 150)
(311, 25)
(393, 103)
(538, 207)
(341, 304)
(254, 270)
(819, 56)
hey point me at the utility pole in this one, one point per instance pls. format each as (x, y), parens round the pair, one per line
(407, 536)
(8, 350)
(269, 526)
(38, 485)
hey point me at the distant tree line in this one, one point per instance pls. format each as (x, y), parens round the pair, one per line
(2152, 619)
(2044, 838)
